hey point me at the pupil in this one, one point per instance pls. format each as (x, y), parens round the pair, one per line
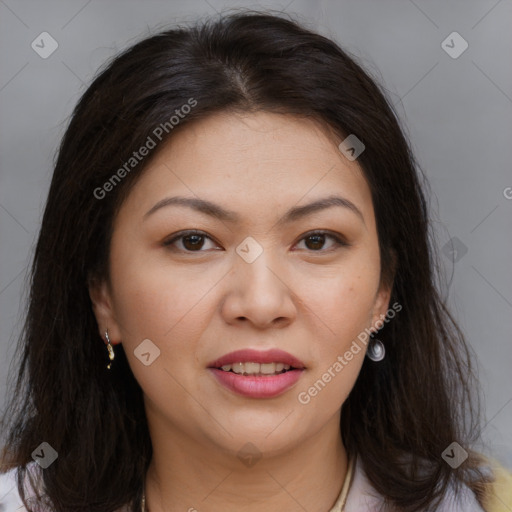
(317, 237)
(317, 241)
(195, 244)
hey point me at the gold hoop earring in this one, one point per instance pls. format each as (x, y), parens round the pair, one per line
(111, 354)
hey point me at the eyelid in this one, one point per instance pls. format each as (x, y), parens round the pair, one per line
(181, 234)
(339, 239)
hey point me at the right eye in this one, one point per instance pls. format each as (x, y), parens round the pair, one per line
(191, 240)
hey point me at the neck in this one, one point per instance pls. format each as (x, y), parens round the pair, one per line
(187, 475)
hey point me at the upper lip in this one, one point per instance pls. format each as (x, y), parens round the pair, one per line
(257, 356)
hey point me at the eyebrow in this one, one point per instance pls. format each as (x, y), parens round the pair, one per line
(218, 212)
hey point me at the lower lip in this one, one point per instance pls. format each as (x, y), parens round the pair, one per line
(258, 387)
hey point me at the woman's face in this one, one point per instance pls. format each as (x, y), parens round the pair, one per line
(253, 278)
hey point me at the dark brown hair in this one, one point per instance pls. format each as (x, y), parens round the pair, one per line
(402, 412)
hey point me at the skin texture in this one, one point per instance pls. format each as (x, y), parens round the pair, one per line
(308, 297)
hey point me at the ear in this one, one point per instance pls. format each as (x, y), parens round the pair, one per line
(381, 304)
(101, 298)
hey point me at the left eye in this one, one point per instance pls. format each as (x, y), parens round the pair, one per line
(193, 241)
(317, 238)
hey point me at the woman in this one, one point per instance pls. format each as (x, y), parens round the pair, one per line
(234, 211)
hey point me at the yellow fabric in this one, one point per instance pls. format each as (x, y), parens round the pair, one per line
(499, 496)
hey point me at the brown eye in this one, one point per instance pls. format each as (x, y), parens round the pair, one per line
(315, 241)
(194, 241)
(191, 241)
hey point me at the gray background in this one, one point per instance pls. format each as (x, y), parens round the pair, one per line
(456, 111)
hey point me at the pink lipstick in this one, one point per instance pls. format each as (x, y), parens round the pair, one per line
(257, 374)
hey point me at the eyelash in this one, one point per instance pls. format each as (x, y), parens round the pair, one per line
(337, 239)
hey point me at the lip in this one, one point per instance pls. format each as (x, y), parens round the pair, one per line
(257, 356)
(267, 386)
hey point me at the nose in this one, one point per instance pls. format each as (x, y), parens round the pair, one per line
(259, 293)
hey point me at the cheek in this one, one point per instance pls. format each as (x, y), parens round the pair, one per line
(170, 308)
(156, 301)
(341, 303)
(342, 312)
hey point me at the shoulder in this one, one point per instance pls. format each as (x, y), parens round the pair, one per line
(10, 499)
(362, 497)
(499, 495)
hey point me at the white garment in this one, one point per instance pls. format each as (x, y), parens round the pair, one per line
(361, 495)
(10, 500)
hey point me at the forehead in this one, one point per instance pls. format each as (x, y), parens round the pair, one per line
(260, 159)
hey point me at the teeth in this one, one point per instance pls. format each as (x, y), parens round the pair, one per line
(268, 368)
(256, 368)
